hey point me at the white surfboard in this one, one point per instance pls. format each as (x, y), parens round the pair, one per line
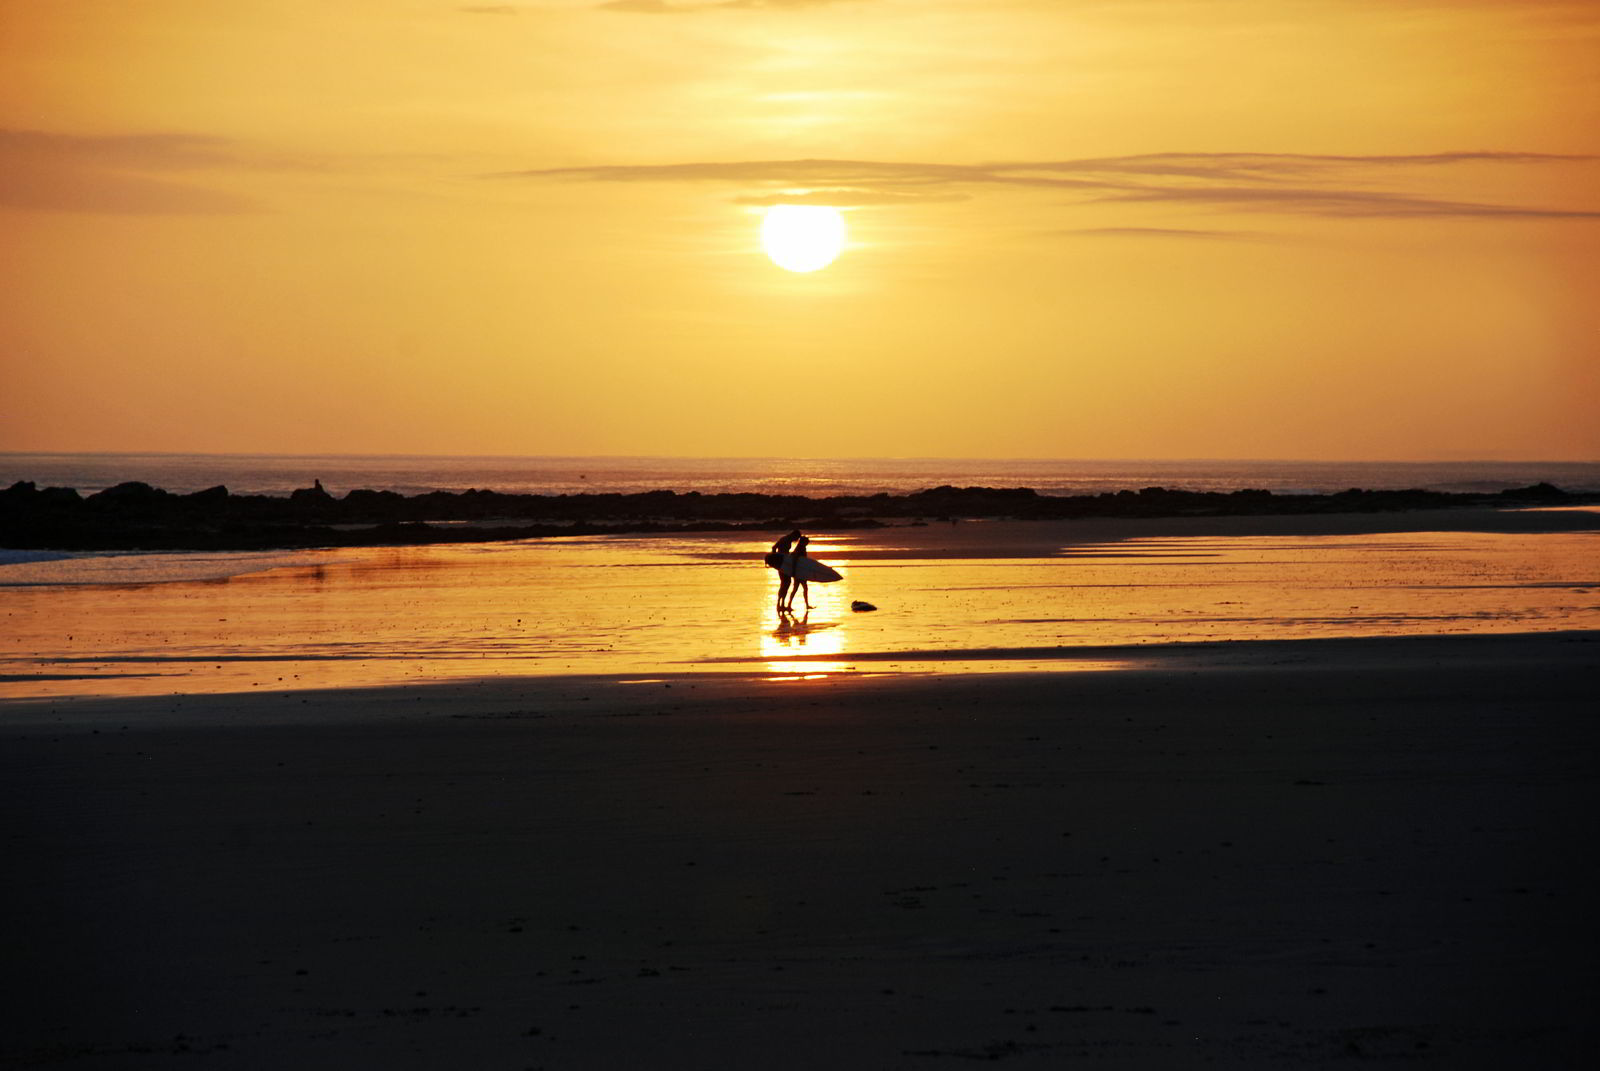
(814, 572)
(808, 569)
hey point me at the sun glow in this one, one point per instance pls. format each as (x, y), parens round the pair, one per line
(802, 238)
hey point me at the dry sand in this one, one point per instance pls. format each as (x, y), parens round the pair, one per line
(1258, 855)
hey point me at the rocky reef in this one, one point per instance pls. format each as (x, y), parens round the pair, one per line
(137, 516)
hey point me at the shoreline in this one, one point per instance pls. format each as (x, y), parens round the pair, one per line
(1249, 855)
(378, 705)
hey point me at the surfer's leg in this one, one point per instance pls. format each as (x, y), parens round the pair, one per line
(805, 591)
(785, 576)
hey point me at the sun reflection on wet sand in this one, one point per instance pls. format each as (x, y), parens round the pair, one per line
(648, 607)
(796, 634)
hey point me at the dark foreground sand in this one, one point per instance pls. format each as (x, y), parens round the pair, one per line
(1323, 852)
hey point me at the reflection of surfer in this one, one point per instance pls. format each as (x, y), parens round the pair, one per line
(782, 559)
(793, 629)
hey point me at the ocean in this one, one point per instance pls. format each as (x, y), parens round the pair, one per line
(280, 474)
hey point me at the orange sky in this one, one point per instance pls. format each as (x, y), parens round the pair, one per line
(1147, 228)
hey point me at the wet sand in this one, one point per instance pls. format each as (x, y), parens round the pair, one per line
(651, 605)
(1246, 854)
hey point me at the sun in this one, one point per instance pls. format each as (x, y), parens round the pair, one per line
(802, 238)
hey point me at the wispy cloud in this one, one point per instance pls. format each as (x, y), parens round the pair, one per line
(1367, 203)
(852, 198)
(838, 174)
(1304, 184)
(1164, 232)
(136, 150)
(151, 152)
(1269, 166)
(663, 7)
(111, 173)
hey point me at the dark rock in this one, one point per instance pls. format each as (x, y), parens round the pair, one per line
(135, 515)
(315, 493)
(1539, 492)
(862, 607)
(61, 496)
(25, 495)
(364, 496)
(131, 491)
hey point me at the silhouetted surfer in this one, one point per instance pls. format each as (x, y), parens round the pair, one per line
(781, 558)
(795, 561)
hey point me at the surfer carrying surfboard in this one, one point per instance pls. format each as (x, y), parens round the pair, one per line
(796, 569)
(781, 558)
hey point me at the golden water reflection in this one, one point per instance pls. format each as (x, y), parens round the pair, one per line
(652, 606)
(797, 634)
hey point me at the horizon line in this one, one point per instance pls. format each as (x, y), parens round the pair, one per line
(820, 457)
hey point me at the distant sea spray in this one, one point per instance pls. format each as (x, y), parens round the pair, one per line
(280, 474)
